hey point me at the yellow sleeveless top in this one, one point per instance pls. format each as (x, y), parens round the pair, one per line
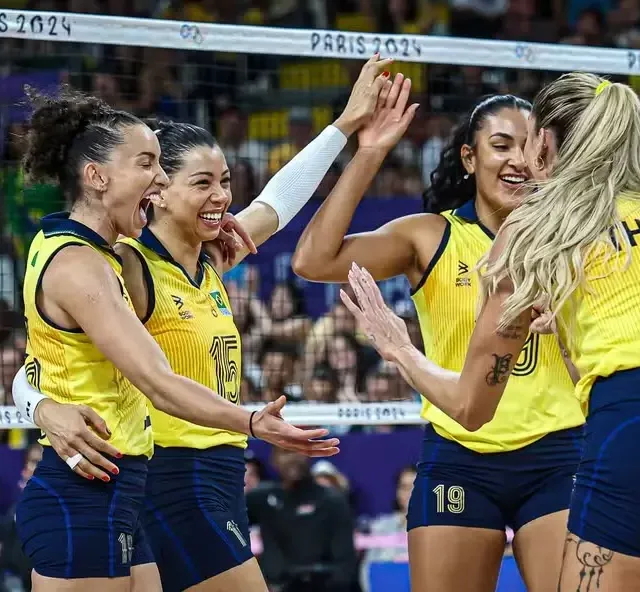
(539, 397)
(605, 331)
(192, 322)
(64, 363)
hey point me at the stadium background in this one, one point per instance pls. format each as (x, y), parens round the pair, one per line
(263, 107)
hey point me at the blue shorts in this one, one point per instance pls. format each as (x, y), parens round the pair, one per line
(456, 486)
(604, 507)
(74, 528)
(195, 514)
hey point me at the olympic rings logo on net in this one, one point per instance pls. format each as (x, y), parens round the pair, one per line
(191, 32)
(525, 52)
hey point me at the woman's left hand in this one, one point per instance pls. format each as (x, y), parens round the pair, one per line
(385, 330)
(231, 239)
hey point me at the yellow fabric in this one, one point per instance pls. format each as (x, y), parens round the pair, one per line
(604, 335)
(69, 368)
(194, 327)
(539, 398)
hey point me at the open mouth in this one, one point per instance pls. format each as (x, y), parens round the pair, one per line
(514, 180)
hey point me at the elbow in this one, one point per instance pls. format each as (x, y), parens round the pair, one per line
(156, 387)
(472, 418)
(302, 266)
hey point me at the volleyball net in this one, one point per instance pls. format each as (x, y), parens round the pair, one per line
(264, 92)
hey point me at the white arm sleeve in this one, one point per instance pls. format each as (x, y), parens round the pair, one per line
(294, 185)
(25, 396)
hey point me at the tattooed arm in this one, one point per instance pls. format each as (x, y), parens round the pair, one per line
(470, 397)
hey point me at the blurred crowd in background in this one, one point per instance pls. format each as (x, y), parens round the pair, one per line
(263, 109)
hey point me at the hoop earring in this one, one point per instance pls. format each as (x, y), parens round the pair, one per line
(538, 163)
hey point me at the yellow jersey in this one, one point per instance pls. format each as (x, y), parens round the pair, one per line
(64, 363)
(605, 332)
(191, 320)
(539, 398)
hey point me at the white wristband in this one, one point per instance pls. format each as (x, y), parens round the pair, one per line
(294, 185)
(25, 396)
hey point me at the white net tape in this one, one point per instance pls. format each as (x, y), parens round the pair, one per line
(110, 30)
(301, 414)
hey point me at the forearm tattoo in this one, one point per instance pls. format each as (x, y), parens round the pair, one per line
(592, 561)
(500, 369)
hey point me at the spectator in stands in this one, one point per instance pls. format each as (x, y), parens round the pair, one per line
(255, 472)
(15, 570)
(326, 474)
(345, 356)
(322, 386)
(289, 321)
(589, 29)
(10, 321)
(624, 24)
(413, 17)
(160, 90)
(306, 529)
(233, 140)
(388, 534)
(244, 185)
(278, 363)
(11, 360)
(248, 391)
(106, 85)
(252, 319)
(389, 182)
(300, 134)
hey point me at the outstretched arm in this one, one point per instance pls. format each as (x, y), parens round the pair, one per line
(325, 252)
(296, 183)
(470, 397)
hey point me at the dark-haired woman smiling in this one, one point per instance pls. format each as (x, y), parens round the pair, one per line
(517, 470)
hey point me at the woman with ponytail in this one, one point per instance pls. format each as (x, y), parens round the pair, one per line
(517, 471)
(572, 244)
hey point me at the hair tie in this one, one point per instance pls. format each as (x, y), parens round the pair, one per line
(604, 84)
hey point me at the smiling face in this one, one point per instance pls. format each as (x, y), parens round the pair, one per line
(200, 193)
(497, 160)
(129, 179)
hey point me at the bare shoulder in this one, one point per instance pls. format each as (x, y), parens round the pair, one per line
(79, 267)
(426, 232)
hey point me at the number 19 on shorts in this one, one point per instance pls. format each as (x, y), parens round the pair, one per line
(449, 499)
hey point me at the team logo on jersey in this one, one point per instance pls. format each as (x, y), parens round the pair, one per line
(222, 307)
(233, 527)
(463, 270)
(185, 315)
(33, 370)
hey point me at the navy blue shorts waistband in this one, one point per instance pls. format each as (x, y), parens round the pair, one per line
(223, 452)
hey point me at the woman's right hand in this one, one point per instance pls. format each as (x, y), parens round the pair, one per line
(269, 426)
(391, 118)
(71, 430)
(364, 96)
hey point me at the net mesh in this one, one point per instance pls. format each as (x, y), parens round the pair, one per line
(265, 93)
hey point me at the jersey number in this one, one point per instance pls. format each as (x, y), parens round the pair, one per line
(226, 368)
(528, 359)
(454, 501)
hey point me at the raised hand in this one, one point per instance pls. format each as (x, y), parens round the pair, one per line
(385, 330)
(364, 96)
(391, 118)
(542, 321)
(269, 426)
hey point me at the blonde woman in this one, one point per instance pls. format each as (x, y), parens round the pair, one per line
(572, 242)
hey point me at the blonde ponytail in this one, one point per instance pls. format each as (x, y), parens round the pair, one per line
(551, 235)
